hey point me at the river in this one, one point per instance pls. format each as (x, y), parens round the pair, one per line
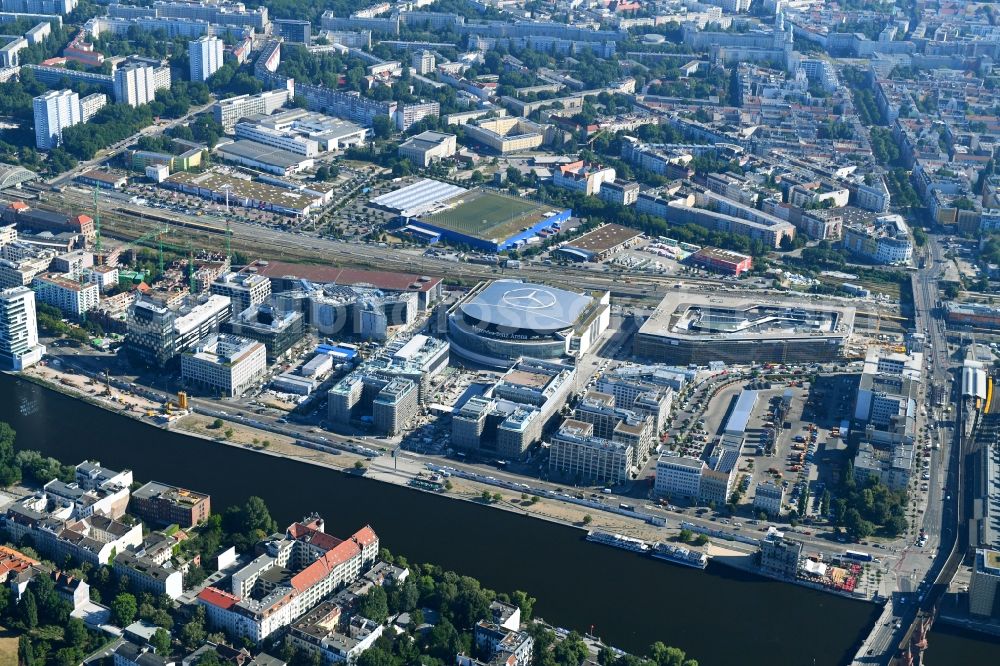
(720, 616)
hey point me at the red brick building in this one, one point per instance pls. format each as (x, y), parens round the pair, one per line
(166, 505)
(722, 261)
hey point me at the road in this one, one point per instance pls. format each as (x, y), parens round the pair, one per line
(916, 571)
(113, 150)
(278, 244)
(411, 462)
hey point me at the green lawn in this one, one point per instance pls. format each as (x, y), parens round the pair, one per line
(8, 647)
(488, 216)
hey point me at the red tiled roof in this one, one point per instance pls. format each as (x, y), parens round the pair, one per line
(307, 532)
(344, 551)
(217, 597)
(365, 536)
(19, 205)
(322, 567)
(13, 561)
(347, 276)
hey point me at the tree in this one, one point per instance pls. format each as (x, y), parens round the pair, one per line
(587, 519)
(486, 496)
(571, 651)
(804, 501)
(444, 641)
(123, 609)
(250, 522)
(28, 610)
(857, 527)
(896, 525)
(25, 650)
(375, 605)
(67, 656)
(685, 535)
(403, 597)
(193, 633)
(210, 658)
(160, 641)
(10, 473)
(76, 633)
(667, 656)
(525, 602)
(824, 503)
(217, 423)
(376, 656)
(382, 127)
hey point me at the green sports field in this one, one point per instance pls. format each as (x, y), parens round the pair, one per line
(486, 215)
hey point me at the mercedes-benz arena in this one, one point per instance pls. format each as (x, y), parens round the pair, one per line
(501, 321)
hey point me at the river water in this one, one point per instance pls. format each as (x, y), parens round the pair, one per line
(720, 616)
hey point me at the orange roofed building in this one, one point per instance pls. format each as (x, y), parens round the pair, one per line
(296, 571)
(13, 562)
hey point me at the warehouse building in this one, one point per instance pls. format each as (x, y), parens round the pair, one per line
(256, 155)
(722, 261)
(428, 147)
(600, 244)
(971, 315)
(420, 197)
(288, 277)
(238, 192)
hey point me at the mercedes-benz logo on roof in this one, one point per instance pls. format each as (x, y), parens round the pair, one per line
(529, 298)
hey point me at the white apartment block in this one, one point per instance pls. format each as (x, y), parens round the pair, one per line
(225, 364)
(56, 534)
(408, 114)
(886, 241)
(205, 57)
(104, 276)
(72, 297)
(147, 576)
(255, 609)
(137, 83)
(423, 62)
(228, 112)
(582, 177)
(888, 386)
(55, 111)
(91, 104)
(19, 346)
